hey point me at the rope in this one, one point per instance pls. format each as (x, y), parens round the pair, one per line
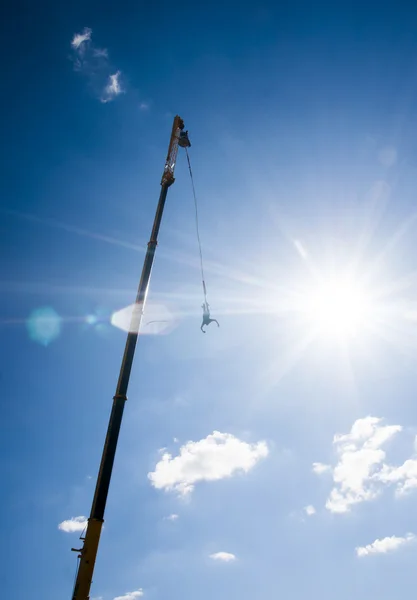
(76, 573)
(197, 227)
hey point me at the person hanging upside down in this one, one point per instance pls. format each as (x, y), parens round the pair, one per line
(206, 316)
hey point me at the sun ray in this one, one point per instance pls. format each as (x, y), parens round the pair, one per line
(41, 287)
(276, 370)
(71, 229)
(378, 263)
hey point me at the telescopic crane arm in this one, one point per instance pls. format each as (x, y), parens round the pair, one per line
(88, 553)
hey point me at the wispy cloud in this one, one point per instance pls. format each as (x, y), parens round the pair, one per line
(217, 456)
(144, 106)
(113, 88)
(173, 517)
(361, 471)
(93, 62)
(73, 524)
(320, 468)
(101, 52)
(388, 544)
(310, 510)
(131, 595)
(223, 556)
(79, 39)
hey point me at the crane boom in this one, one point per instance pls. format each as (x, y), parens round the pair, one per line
(88, 553)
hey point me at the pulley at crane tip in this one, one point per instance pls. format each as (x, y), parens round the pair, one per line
(183, 140)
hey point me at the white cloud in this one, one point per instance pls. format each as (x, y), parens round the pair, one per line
(113, 88)
(320, 468)
(217, 456)
(359, 465)
(80, 38)
(172, 517)
(310, 510)
(144, 106)
(388, 544)
(223, 556)
(405, 476)
(93, 62)
(73, 524)
(131, 595)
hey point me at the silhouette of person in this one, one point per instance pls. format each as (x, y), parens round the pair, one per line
(206, 316)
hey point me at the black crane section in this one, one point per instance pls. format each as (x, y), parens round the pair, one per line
(88, 553)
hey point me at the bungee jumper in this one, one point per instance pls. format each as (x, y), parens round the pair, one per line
(206, 316)
(205, 306)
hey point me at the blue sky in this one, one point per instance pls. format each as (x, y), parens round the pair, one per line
(274, 456)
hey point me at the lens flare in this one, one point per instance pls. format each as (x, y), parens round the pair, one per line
(159, 319)
(91, 319)
(44, 325)
(99, 321)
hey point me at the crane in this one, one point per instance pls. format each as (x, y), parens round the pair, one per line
(88, 553)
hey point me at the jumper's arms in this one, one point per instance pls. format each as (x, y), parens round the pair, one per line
(88, 553)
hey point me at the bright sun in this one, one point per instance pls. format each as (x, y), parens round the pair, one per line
(338, 308)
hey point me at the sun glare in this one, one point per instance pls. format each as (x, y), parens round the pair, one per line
(338, 308)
